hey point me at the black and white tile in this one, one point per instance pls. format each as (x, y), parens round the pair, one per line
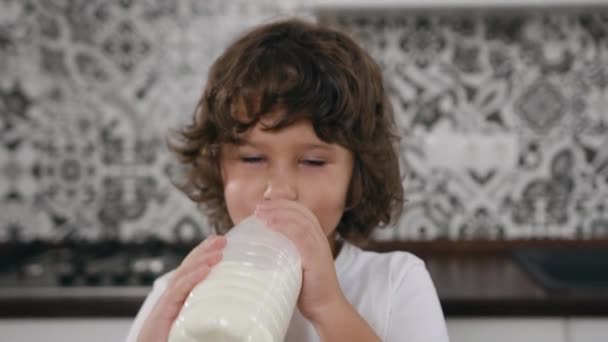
(503, 119)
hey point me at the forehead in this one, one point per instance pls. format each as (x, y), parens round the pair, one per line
(299, 132)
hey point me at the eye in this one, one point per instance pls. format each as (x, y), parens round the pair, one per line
(252, 159)
(313, 162)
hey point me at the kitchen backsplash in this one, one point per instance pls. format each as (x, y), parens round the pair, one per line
(503, 116)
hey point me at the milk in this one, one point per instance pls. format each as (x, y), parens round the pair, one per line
(248, 296)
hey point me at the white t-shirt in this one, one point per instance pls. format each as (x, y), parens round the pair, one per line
(392, 291)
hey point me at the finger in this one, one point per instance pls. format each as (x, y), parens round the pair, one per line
(293, 205)
(209, 259)
(307, 245)
(180, 287)
(213, 242)
(297, 228)
(296, 209)
(291, 215)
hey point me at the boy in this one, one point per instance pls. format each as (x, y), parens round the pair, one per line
(294, 127)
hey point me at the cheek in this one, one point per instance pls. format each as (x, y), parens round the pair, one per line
(328, 205)
(241, 197)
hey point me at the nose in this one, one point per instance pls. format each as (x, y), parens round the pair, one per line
(281, 185)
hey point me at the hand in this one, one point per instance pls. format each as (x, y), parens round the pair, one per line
(194, 268)
(320, 288)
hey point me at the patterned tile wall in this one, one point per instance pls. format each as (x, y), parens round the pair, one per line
(87, 93)
(503, 119)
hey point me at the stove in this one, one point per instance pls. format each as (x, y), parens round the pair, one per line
(82, 279)
(89, 265)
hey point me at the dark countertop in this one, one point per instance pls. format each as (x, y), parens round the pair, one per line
(496, 286)
(484, 282)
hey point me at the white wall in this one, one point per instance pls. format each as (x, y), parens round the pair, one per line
(507, 329)
(555, 329)
(64, 330)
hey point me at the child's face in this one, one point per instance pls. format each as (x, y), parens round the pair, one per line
(292, 163)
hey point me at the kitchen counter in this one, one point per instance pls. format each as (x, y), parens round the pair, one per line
(470, 282)
(496, 286)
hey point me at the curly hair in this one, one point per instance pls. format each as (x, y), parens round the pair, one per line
(309, 72)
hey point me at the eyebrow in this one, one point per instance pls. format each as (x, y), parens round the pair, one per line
(306, 145)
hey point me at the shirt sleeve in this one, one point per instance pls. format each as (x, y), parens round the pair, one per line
(415, 314)
(158, 288)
